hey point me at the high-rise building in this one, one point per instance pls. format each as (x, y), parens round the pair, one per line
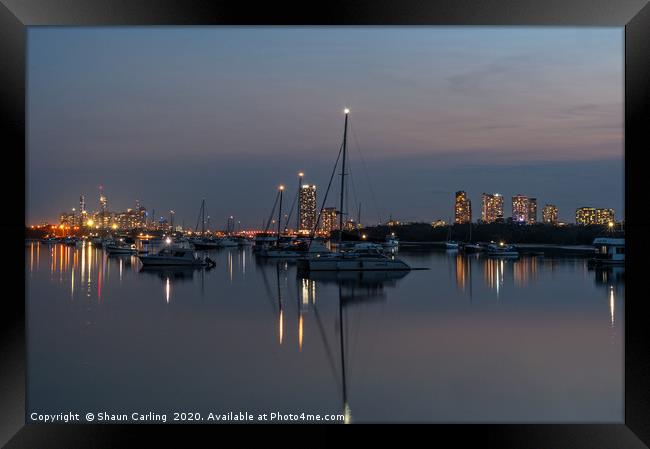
(593, 216)
(462, 208)
(492, 207)
(549, 214)
(605, 216)
(586, 216)
(104, 216)
(532, 211)
(520, 208)
(328, 221)
(307, 204)
(82, 204)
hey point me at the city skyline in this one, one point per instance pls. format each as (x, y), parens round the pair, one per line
(171, 115)
(523, 211)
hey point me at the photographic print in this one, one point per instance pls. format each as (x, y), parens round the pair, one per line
(337, 224)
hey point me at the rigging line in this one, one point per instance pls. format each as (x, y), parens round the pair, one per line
(354, 189)
(365, 171)
(198, 219)
(329, 185)
(268, 223)
(293, 204)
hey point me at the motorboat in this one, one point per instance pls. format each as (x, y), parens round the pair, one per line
(451, 245)
(96, 241)
(609, 251)
(502, 250)
(175, 256)
(205, 243)
(227, 242)
(391, 241)
(50, 240)
(120, 247)
(242, 241)
(473, 248)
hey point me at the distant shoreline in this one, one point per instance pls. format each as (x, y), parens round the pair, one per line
(525, 236)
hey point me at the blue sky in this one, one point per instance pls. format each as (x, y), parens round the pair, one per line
(171, 115)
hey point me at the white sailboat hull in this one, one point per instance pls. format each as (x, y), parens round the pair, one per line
(355, 264)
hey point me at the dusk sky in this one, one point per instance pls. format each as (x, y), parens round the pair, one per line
(171, 115)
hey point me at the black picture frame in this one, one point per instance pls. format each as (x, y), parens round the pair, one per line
(634, 15)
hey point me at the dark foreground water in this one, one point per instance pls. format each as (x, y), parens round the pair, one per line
(469, 340)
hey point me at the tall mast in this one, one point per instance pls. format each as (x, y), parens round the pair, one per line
(203, 217)
(345, 141)
(279, 215)
(300, 176)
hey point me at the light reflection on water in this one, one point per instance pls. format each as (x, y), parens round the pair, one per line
(472, 339)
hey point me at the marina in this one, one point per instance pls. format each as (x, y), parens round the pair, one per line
(375, 224)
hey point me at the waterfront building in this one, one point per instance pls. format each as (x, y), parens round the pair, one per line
(532, 210)
(307, 207)
(593, 216)
(438, 223)
(351, 225)
(462, 208)
(549, 214)
(586, 216)
(520, 208)
(605, 216)
(328, 221)
(492, 207)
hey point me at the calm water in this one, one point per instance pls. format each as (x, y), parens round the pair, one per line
(469, 340)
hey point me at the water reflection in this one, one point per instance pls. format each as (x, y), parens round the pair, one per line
(363, 340)
(354, 288)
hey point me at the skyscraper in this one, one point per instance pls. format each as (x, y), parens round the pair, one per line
(520, 208)
(549, 214)
(307, 207)
(462, 208)
(492, 209)
(328, 220)
(104, 216)
(532, 211)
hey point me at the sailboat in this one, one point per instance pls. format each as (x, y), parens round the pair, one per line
(470, 247)
(450, 245)
(355, 259)
(292, 249)
(202, 242)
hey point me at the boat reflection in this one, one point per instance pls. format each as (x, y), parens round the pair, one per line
(354, 289)
(609, 276)
(181, 274)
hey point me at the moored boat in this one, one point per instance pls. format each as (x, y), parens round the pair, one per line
(358, 259)
(451, 245)
(175, 256)
(502, 250)
(120, 247)
(609, 251)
